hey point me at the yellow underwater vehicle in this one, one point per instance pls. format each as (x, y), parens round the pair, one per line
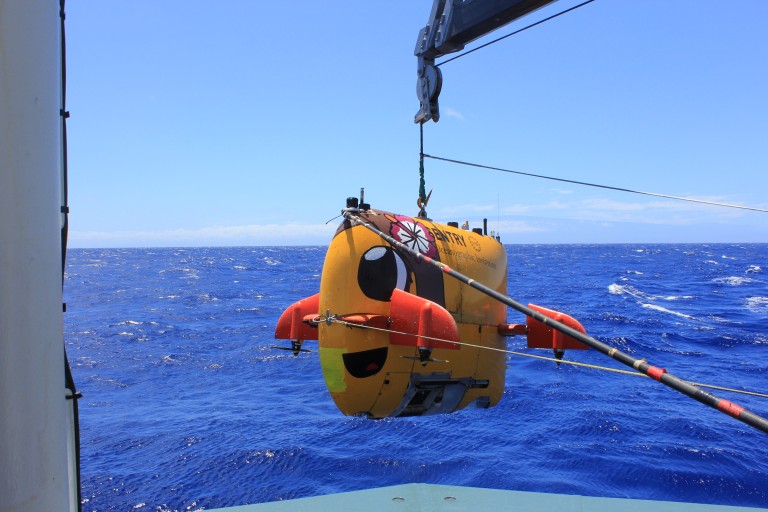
(396, 337)
(411, 320)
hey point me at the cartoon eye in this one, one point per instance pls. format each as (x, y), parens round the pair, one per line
(381, 271)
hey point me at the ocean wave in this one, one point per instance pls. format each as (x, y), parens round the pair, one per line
(723, 320)
(263, 427)
(644, 299)
(669, 311)
(733, 280)
(169, 359)
(625, 289)
(754, 269)
(176, 270)
(757, 304)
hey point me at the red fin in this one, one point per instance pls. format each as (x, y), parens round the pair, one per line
(291, 325)
(541, 336)
(423, 320)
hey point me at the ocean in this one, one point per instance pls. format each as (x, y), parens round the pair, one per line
(186, 406)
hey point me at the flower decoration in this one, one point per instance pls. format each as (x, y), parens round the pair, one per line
(413, 234)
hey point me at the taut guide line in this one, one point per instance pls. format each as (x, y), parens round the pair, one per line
(595, 185)
(330, 318)
(659, 374)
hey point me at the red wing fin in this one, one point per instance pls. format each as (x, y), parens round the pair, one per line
(542, 336)
(291, 325)
(426, 323)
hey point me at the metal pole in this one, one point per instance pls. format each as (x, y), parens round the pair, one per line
(658, 374)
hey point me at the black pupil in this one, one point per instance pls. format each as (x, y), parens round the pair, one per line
(377, 274)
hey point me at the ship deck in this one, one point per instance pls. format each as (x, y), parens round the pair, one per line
(446, 498)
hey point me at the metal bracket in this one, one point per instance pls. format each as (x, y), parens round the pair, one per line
(428, 86)
(452, 24)
(429, 80)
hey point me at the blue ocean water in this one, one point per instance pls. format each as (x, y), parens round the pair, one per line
(187, 407)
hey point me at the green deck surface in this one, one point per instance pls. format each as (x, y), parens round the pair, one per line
(446, 498)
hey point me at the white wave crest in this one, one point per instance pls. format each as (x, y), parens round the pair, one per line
(757, 304)
(626, 289)
(617, 289)
(733, 280)
(665, 310)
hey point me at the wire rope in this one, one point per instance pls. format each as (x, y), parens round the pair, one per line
(608, 187)
(422, 184)
(335, 320)
(596, 185)
(514, 33)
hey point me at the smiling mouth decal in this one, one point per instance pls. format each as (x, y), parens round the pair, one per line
(366, 363)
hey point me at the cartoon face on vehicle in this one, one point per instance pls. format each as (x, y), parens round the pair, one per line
(358, 285)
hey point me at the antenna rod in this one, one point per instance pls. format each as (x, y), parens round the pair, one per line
(658, 374)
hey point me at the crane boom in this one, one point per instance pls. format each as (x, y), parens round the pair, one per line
(452, 24)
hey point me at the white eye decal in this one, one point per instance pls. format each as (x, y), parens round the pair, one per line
(375, 253)
(402, 273)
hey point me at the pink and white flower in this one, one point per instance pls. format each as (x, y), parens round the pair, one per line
(414, 234)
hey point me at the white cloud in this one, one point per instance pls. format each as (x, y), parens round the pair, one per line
(602, 209)
(449, 112)
(608, 205)
(516, 209)
(517, 226)
(255, 234)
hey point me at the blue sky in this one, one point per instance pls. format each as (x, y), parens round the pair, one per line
(249, 122)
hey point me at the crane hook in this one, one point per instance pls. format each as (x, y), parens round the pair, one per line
(422, 204)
